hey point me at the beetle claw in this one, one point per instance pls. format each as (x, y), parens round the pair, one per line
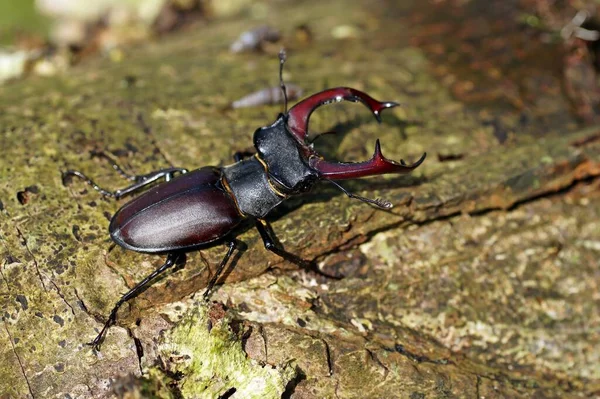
(384, 204)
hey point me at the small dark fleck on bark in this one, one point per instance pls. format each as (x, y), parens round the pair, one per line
(23, 301)
(23, 197)
(586, 140)
(301, 322)
(33, 189)
(450, 157)
(243, 307)
(59, 320)
(11, 259)
(75, 229)
(60, 367)
(131, 147)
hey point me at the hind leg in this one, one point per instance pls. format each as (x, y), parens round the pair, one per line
(172, 259)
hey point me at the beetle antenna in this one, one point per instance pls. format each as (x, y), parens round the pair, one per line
(378, 202)
(282, 58)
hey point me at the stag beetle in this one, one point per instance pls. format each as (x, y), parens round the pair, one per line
(197, 209)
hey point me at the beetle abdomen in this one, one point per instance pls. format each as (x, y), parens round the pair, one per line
(184, 213)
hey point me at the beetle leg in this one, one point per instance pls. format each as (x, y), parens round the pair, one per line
(140, 181)
(113, 163)
(172, 259)
(211, 284)
(378, 202)
(268, 237)
(238, 156)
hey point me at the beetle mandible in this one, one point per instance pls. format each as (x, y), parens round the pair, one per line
(196, 209)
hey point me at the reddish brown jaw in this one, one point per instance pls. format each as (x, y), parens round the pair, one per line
(297, 122)
(377, 165)
(298, 116)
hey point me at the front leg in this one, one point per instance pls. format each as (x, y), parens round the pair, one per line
(240, 155)
(141, 181)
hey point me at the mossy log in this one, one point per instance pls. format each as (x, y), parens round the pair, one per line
(482, 281)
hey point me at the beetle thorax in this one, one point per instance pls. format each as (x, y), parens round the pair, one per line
(285, 161)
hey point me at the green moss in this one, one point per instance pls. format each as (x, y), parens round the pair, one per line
(212, 362)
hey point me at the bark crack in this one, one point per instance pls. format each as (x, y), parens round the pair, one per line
(35, 263)
(375, 359)
(3, 277)
(12, 344)
(263, 335)
(420, 358)
(82, 305)
(328, 356)
(347, 244)
(61, 295)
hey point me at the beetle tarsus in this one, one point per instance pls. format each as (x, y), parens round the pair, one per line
(68, 174)
(117, 168)
(172, 259)
(213, 281)
(112, 318)
(140, 181)
(271, 244)
(378, 202)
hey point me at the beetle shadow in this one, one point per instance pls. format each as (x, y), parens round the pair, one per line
(331, 140)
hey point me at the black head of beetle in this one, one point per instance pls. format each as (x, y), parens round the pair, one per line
(290, 160)
(285, 158)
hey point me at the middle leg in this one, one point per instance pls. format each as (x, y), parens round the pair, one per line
(211, 284)
(268, 237)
